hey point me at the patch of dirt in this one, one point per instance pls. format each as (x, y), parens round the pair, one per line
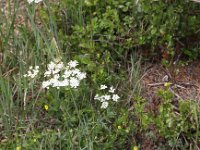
(11, 8)
(17, 9)
(185, 81)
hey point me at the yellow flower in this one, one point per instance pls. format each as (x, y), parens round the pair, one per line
(135, 148)
(46, 107)
(167, 84)
(119, 127)
(18, 148)
(127, 130)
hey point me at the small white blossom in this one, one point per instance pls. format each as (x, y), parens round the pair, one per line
(106, 97)
(102, 99)
(67, 73)
(96, 97)
(46, 84)
(81, 76)
(60, 65)
(64, 82)
(111, 90)
(103, 87)
(73, 64)
(74, 82)
(37, 67)
(56, 76)
(104, 105)
(29, 72)
(32, 72)
(47, 73)
(53, 81)
(32, 76)
(51, 65)
(99, 98)
(115, 97)
(55, 71)
(36, 1)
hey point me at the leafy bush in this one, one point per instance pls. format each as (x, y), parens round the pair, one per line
(177, 124)
(113, 28)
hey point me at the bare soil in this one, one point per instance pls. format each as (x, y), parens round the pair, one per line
(185, 80)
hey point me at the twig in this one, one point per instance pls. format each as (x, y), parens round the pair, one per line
(188, 84)
(177, 85)
(25, 93)
(10, 71)
(156, 84)
(178, 96)
(198, 1)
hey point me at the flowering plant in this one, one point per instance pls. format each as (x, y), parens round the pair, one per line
(107, 97)
(59, 75)
(32, 72)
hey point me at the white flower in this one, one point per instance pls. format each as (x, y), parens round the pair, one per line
(96, 97)
(47, 73)
(53, 82)
(106, 97)
(60, 65)
(51, 65)
(75, 72)
(37, 67)
(103, 87)
(32, 72)
(29, 73)
(111, 90)
(56, 84)
(104, 105)
(46, 84)
(56, 71)
(115, 97)
(67, 73)
(32, 76)
(102, 98)
(62, 75)
(81, 75)
(53, 68)
(99, 98)
(73, 64)
(56, 76)
(36, 1)
(64, 82)
(74, 82)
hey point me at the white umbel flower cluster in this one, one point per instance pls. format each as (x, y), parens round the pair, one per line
(32, 72)
(107, 97)
(60, 75)
(36, 1)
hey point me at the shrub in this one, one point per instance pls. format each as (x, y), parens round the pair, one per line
(177, 124)
(113, 28)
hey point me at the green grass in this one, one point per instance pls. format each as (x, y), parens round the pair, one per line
(74, 120)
